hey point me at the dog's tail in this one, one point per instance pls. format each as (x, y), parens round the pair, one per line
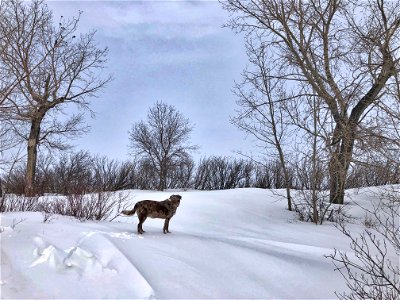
(129, 212)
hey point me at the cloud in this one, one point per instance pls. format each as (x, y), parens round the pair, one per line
(174, 51)
(180, 16)
(162, 31)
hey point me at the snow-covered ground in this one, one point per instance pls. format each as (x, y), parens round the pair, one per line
(240, 243)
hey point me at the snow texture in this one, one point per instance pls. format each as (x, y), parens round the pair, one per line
(240, 243)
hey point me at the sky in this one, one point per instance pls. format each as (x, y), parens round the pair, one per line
(177, 52)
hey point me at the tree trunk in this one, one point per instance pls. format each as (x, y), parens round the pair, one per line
(286, 176)
(339, 164)
(32, 157)
(163, 177)
(288, 196)
(314, 163)
(287, 182)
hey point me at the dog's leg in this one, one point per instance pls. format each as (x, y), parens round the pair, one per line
(142, 217)
(166, 225)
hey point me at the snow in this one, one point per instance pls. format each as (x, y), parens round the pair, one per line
(239, 243)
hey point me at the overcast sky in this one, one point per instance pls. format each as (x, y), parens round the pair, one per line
(171, 51)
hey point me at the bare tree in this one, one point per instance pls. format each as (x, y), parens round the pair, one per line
(261, 114)
(7, 140)
(344, 52)
(5, 83)
(53, 67)
(163, 140)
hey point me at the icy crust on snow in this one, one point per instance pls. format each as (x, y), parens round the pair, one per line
(239, 243)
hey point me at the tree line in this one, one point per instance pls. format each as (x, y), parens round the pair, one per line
(82, 172)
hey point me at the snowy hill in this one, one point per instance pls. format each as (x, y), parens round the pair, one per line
(240, 243)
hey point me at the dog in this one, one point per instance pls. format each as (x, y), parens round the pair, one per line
(155, 209)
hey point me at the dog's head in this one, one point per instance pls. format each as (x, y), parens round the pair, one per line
(175, 200)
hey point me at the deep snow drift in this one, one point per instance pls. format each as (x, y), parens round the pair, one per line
(240, 243)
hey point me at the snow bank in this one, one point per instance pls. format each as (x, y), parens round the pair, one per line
(240, 243)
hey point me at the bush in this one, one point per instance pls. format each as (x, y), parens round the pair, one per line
(317, 208)
(218, 173)
(11, 202)
(372, 273)
(95, 206)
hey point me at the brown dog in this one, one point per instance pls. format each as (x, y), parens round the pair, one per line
(155, 209)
